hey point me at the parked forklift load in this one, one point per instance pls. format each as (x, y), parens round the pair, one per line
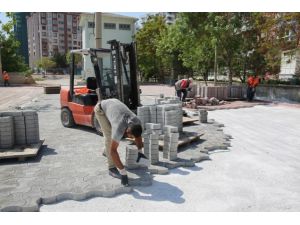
(118, 81)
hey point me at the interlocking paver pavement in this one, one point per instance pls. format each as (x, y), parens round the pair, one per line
(70, 164)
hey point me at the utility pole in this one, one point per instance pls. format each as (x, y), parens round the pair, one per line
(0, 61)
(215, 66)
(98, 29)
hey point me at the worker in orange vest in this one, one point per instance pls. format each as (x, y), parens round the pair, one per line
(5, 78)
(252, 83)
(182, 87)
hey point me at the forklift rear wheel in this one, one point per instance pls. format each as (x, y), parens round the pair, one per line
(67, 119)
(97, 126)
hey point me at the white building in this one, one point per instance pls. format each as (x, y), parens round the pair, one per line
(114, 26)
(290, 64)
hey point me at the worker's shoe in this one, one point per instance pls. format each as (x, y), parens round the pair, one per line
(142, 159)
(124, 180)
(114, 172)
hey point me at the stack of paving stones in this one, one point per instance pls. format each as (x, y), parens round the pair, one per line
(131, 156)
(143, 113)
(171, 137)
(202, 116)
(31, 126)
(151, 142)
(18, 128)
(153, 114)
(6, 132)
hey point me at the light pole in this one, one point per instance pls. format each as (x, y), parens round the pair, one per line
(0, 60)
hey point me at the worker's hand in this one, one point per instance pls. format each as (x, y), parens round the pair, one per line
(124, 180)
(142, 159)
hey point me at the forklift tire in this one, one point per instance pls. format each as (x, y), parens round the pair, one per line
(66, 117)
(97, 126)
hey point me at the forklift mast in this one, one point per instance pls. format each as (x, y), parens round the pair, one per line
(126, 82)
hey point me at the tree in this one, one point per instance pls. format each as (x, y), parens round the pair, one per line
(78, 58)
(45, 63)
(60, 60)
(11, 60)
(149, 63)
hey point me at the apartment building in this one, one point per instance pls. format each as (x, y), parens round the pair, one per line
(170, 17)
(52, 32)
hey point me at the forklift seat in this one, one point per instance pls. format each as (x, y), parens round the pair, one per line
(91, 83)
(88, 99)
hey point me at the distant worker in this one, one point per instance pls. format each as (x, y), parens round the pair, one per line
(252, 83)
(5, 78)
(182, 87)
(117, 120)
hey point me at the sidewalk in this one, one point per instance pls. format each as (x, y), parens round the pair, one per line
(260, 173)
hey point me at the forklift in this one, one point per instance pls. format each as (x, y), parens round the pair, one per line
(118, 81)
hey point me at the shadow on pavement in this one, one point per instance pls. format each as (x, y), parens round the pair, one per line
(159, 191)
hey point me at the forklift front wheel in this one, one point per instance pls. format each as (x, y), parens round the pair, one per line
(67, 119)
(97, 126)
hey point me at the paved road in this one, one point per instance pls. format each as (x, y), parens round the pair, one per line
(260, 173)
(16, 96)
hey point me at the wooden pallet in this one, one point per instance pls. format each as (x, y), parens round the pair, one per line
(184, 139)
(21, 152)
(188, 120)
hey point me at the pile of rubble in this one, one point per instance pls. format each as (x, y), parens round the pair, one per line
(198, 101)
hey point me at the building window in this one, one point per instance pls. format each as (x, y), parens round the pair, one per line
(44, 34)
(61, 22)
(110, 26)
(54, 21)
(74, 42)
(54, 40)
(70, 36)
(43, 27)
(43, 21)
(54, 34)
(61, 28)
(124, 26)
(69, 29)
(74, 36)
(91, 25)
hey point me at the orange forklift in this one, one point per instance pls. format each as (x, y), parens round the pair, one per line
(115, 77)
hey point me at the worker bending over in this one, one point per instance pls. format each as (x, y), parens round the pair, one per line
(182, 87)
(252, 83)
(117, 120)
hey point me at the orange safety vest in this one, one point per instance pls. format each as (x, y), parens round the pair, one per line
(253, 81)
(6, 77)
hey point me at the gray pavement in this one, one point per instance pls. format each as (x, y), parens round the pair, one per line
(259, 173)
(70, 164)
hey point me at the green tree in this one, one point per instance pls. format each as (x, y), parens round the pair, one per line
(45, 63)
(78, 58)
(11, 60)
(149, 63)
(60, 60)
